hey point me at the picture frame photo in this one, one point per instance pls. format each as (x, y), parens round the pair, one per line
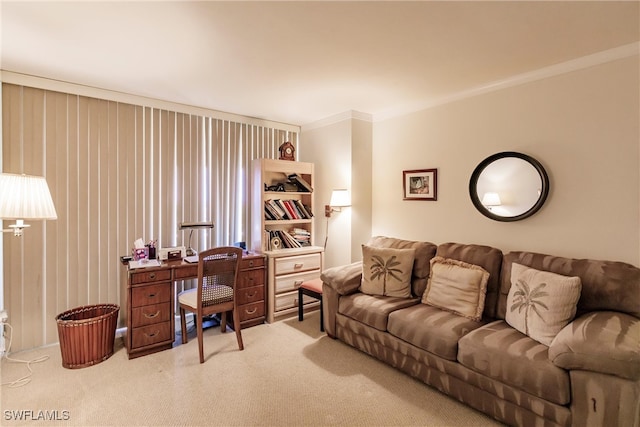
(420, 184)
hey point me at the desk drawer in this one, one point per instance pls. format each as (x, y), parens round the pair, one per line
(150, 276)
(190, 272)
(247, 279)
(251, 311)
(253, 262)
(151, 294)
(149, 314)
(248, 295)
(297, 264)
(152, 334)
(293, 281)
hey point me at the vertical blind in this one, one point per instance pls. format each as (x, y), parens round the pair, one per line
(117, 172)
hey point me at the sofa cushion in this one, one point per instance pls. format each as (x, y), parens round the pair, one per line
(502, 353)
(424, 252)
(605, 341)
(457, 287)
(387, 271)
(431, 329)
(372, 310)
(486, 257)
(606, 285)
(541, 303)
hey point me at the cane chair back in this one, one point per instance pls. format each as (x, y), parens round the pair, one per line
(216, 292)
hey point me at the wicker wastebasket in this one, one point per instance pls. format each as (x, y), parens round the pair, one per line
(87, 334)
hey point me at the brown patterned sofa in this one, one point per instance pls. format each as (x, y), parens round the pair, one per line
(589, 375)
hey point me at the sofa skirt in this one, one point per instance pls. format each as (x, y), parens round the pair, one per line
(502, 402)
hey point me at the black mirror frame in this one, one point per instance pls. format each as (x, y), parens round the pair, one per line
(473, 183)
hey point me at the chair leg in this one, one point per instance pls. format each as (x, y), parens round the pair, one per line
(183, 326)
(237, 327)
(321, 315)
(200, 339)
(223, 322)
(300, 306)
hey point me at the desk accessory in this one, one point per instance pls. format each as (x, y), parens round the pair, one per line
(192, 226)
(172, 254)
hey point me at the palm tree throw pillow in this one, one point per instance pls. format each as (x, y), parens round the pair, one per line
(541, 303)
(387, 271)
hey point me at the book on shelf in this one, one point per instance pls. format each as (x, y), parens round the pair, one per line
(304, 210)
(276, 209)
(301, 182)
(290, 210)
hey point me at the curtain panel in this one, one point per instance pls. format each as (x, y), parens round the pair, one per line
(117, 172)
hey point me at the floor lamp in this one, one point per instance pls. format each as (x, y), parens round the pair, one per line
(24, 197)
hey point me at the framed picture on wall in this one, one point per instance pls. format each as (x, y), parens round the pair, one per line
(421, 184)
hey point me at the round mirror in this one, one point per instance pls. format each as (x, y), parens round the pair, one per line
(509, 186)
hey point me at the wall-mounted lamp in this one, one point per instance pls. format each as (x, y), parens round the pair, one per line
(339, 199)
(192, 226)
(490, 200)
(24, 197)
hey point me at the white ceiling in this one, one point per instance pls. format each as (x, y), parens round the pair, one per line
(300, 62)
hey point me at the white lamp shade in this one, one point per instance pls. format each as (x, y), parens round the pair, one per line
(491, 199)
(25, 197)
(340, 198)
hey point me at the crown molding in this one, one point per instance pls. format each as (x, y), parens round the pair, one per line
(337, 118)
(588, 61)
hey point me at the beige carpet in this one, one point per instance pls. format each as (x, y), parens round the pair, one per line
(290, 374)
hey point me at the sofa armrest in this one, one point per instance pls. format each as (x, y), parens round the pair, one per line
(345, 279)
(605, 341)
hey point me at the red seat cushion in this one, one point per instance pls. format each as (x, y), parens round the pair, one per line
(314, 285)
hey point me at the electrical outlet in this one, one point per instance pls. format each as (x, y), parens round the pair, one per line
(3, 316)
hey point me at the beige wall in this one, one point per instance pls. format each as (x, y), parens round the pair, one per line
(341, 152)
(583, 126)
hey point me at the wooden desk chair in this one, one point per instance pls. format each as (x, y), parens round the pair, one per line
(216, 292)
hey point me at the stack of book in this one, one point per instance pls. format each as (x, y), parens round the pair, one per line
(282, 239)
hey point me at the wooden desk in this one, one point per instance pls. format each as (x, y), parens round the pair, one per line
(149, 298)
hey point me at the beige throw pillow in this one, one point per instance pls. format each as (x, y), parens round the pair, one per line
(387, 271)
(541, 303)
(457, 287)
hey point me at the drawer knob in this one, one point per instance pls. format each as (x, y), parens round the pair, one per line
(152, 276)
(153, 334)
(298, 265)
(151, 296)
(252, 294)
(151, 316)
(298, 282)
(251, 311)
(251, 263)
